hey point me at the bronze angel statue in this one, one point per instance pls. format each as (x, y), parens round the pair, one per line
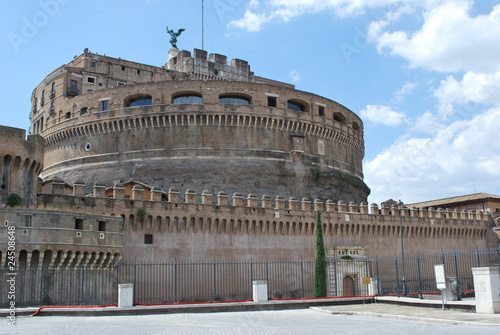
(173, 36)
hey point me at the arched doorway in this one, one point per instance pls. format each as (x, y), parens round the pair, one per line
(348, 285)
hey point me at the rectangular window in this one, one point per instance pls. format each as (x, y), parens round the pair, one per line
(148, 239)
(138, 71)
(102, 225)
(271, 101)
(120, 83)
(92, 64)
(79, 224)
(105, 105)
(90, 80)
(123, 68)
(321, 110)
(498, 210)
(27, 220)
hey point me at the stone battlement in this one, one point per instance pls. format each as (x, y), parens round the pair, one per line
(252, 200)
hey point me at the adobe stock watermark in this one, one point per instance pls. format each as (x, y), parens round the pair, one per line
(11, 275)
(223, 7)
(31, 26)
(360, 40)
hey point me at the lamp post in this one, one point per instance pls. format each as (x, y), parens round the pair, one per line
(400, 206)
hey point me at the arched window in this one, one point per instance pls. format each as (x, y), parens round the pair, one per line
(234, 99)
(356, 127)
(188, 98)
(296, 105)
(139, 100)
(339, 117)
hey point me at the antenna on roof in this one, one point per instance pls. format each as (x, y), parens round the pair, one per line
(202, 27)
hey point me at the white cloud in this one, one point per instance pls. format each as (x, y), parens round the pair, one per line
(451, 161)
(449, 40)
(294, 75)
(407, 89)
(251, 21)
(382, 115)
(477, 88)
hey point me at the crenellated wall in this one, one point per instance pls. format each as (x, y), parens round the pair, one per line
(21, 161)
(207, 225)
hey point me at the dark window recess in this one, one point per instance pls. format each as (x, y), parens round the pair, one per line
(27, 220)
(123, 68)
(233, 99)
(90, 80)
(105, 105)
(148, 239)
(138, 71)
(296, 106)
(68, 115)
(321, 110)
(188, 99)
(92, 64)
(271, 101)
(102, 225)
(79, 224)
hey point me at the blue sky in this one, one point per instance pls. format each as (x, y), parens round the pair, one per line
(424, 75)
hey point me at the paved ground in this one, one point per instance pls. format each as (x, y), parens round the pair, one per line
(377, 319)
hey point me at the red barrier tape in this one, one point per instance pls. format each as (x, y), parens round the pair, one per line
(193, 303)
(354, 296)
(34, 314)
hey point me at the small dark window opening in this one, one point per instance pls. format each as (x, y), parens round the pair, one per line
(102, 226)
(234, 99)
(92, 64)
(296, 106)
(105, 105)
(321, 110)
(68, 115)
(27, 220)
(79, 224)
(123, 68)
(138, 71)
(90, 80)
(271, 101)
(148, 239)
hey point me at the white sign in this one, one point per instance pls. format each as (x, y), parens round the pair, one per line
(440, 276)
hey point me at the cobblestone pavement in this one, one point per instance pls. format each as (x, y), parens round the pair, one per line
(304, 321)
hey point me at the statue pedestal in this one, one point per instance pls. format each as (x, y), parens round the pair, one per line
(172, 53)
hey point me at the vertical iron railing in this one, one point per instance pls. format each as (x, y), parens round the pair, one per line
(189, 281)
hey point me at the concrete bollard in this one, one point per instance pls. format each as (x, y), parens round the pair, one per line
(451, 291)
(259, 291)
(487, 288)
(125, 295)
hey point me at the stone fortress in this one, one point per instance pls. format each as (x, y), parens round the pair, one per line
(199, 159)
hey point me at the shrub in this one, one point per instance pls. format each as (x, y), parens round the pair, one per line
(141, 214)
(14, 200)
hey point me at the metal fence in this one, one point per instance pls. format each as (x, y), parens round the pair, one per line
(188, 281)
(419, 278)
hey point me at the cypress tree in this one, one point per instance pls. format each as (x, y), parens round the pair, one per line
(320, 266)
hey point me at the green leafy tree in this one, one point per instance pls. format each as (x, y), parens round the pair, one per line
(14, 200)
(320, 266)
(141, 214)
